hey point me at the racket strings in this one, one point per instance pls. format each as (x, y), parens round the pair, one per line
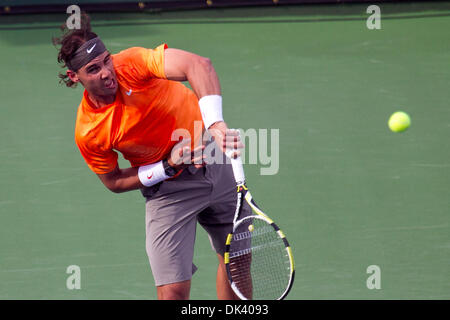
(259, 262)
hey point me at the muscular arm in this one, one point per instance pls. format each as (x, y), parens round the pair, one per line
(181, 65)
(121, 180)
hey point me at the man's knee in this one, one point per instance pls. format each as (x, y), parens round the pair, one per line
(174, 291)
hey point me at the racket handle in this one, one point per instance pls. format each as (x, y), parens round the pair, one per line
(238, 168)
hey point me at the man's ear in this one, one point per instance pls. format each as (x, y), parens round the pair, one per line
(72, 75)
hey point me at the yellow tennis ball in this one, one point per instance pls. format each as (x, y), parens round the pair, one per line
(251, 228)
(399, 121)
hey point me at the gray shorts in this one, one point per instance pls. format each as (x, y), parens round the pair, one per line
(206, 195)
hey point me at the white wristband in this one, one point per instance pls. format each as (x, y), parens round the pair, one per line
(152, 174)
(211, 109)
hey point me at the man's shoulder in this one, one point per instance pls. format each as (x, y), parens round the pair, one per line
(137, 54)
(135, 66)
(128, 64)
(126, 55)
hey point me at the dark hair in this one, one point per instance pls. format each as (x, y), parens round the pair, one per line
(70, 41)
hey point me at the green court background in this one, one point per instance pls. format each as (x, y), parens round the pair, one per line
(349, 193)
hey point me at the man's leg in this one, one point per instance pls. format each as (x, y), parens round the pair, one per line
(171, 219)
(174, 291)
(224, 291)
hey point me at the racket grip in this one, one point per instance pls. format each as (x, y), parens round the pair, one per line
(238, 168)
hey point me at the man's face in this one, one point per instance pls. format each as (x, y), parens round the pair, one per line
(98, 76)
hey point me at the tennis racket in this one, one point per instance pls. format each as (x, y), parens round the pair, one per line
(258, 258)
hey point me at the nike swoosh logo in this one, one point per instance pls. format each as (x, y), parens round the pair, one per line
(150, 176)
(129, 92)
(90, 50)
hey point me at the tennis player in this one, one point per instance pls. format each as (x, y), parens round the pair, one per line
(133, 103)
